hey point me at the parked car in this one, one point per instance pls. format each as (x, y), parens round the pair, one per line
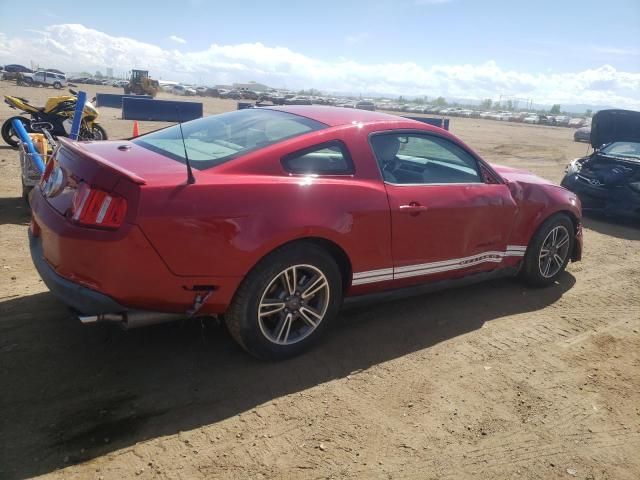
(519, 116)
(531, 119)
(368, 105)
(608, 180)
(298, 100)
(11, 71)
(577, 122)
(211, 92)
(44, 78)
(139, 232)
(582, 134)
(250, 95)
(182, 90)
(233, 94)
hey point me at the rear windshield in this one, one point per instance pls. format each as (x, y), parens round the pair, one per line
(213, 140)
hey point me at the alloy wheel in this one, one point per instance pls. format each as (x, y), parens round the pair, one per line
(294, 304)
(554, 251)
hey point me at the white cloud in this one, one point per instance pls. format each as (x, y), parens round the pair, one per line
(177, 39)
(74, 48)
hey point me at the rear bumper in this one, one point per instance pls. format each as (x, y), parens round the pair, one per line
(97, 272)
(618, 202)
(82, 299)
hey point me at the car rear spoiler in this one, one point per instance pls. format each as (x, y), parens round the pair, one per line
(79, 149)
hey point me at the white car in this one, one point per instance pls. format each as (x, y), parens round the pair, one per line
(531, 119)
(577, 122)
(182, 90)
(45, 78)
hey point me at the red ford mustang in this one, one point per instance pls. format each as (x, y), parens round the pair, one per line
(271, 216)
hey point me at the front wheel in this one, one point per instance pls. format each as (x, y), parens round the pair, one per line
(549, 251)
(285, 302)
(57, 85)
(9, 135)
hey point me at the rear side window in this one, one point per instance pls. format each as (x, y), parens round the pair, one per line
(326, 159)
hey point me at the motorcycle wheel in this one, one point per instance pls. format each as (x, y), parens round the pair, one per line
(98, 132)
(9, 135)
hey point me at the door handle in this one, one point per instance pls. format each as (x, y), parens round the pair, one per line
(413, 207)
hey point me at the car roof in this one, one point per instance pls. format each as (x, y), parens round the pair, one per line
(334, 116)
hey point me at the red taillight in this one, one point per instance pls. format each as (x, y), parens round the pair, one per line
(47, 172)
(96, 208)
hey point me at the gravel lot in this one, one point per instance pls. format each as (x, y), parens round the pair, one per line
(490, 381)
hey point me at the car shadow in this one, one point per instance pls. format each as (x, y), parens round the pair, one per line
(14, 211)
(73, 392)
(625, 228)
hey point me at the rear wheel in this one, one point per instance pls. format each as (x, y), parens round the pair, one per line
(286, 302)
(98, 132)
(9, 135)
(549, 251)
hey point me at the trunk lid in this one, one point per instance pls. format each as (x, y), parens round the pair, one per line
(615, 126)
(118, 167)
(139, 164)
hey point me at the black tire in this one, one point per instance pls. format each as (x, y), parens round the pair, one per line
(98, 132)
(242, 317)
(57, 85)
(8, 135)
(534, 264)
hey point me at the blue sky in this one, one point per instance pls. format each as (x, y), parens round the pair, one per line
(542, 38)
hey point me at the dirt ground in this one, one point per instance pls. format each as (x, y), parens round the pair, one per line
(486, 382)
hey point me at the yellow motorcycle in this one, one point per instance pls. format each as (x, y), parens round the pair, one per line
(58, 112)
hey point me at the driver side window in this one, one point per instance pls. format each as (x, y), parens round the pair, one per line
(423, 159)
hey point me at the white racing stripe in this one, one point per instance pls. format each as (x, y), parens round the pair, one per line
(372, 276)
(386, 274)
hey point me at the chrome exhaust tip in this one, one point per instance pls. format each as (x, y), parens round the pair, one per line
(133, 319)
(103, 317)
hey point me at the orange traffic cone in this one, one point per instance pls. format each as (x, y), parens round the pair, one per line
(136, 132)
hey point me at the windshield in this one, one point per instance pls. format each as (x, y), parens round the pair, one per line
(623, 149)
(213, 140)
